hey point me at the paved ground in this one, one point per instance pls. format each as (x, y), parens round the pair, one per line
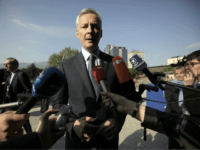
(130, 137)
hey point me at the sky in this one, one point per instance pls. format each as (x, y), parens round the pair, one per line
(32, 30)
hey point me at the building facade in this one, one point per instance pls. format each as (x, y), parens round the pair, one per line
(173, 60)
(117, 50)
(133, 52)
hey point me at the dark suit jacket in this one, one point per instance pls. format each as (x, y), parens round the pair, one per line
(172, 95)
(20, 84)
(28, 141)
(192, 106)
(79, 93)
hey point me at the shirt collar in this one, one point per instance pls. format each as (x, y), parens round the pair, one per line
(14, 71)
(86, 54)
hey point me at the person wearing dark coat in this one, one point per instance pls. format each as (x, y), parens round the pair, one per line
(175, 94)
(17, 82)
(82, 92)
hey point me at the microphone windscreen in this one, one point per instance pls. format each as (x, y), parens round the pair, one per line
(121, 70)
(48, 83)
(138, 63)
(99, 73)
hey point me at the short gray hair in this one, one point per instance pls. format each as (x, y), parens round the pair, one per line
(86, 11)
(13, 61)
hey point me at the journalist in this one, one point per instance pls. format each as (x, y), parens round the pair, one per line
(148, 116)
(193, 75)
(11, 133)
(175, 94)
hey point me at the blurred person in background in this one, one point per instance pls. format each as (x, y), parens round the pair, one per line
(175, 94)
(17, 82)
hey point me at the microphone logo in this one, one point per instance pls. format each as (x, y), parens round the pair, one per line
(99, 67)
(33, 88)
(134, 61)
(42, 74)
(118, 61)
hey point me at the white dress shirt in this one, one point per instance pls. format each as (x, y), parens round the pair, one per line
(86, 56)
(12, 75)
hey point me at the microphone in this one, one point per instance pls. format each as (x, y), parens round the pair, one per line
(100, 77)
(126, 83)
(46, 85)
(140, 65)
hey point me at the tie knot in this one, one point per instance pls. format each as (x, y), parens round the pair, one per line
(91, 57)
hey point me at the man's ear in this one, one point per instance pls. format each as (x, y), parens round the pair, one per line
(77, 33)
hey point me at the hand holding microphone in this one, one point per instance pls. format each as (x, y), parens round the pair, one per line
(46, 130)
(123, 104)
(11, 125)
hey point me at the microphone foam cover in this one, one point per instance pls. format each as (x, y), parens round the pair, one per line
(121, 70)
(99, 73)
(48, 82)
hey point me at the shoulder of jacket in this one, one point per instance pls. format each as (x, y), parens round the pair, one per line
(73, 58)
(105, 57)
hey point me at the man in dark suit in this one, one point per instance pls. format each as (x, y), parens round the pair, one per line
(81, 90)
(3, 73)
(193, 75)
(17, 82)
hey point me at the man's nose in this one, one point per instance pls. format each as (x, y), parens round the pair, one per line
(89, 29)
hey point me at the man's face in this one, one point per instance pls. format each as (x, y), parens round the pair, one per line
(9, 66)
(89, 32)
(179, 74)
(194, 67)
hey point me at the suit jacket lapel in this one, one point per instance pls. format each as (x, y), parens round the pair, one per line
(14, 78)
(81, 67)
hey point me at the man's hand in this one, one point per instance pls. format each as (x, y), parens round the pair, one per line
(3, 83)
(84, 130)
(46, 129)
(123, 104)
(189, 79)
(107, 129)
(11, 125)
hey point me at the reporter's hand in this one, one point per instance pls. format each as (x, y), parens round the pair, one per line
(46, 130)
(107, 129)
(83, 129)
(11, 125)
(123, 104)
(3, 83)
(189, 79)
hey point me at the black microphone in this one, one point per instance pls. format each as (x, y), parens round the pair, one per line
(140, 65)
(48, 83)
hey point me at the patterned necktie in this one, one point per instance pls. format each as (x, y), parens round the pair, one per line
(90, 69)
